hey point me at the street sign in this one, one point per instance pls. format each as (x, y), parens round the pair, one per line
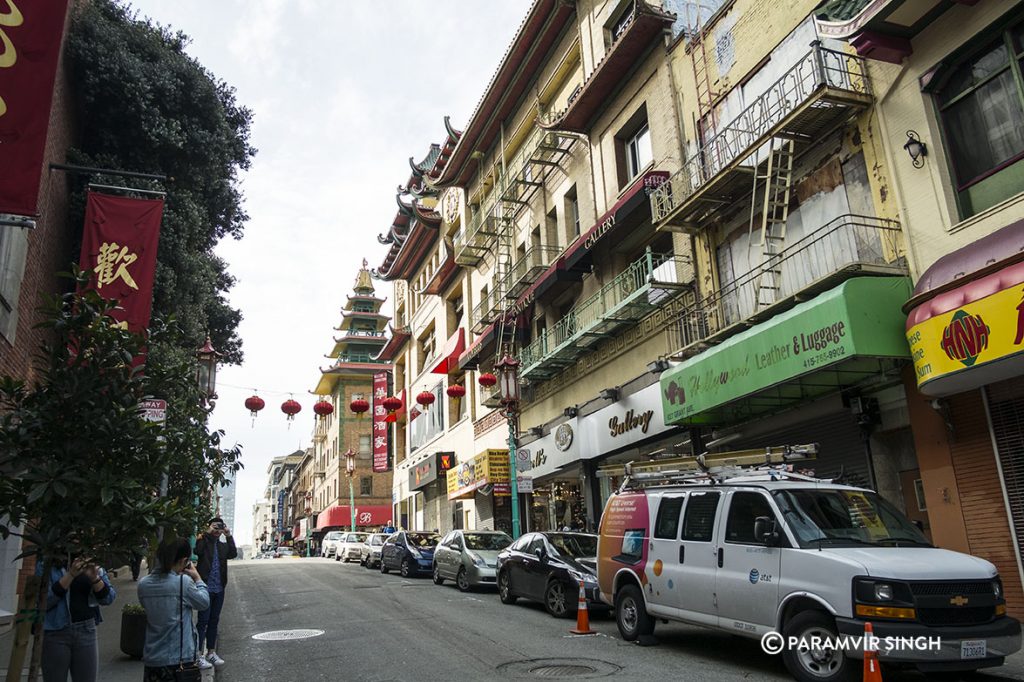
(154, 410)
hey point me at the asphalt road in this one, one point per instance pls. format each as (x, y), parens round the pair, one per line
(383, 627)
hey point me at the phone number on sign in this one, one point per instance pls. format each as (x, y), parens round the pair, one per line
(823, 358)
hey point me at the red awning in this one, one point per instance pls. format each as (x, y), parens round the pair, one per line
(367, 516)
(453, 348)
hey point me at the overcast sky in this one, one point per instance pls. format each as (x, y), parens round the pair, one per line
(342, 93)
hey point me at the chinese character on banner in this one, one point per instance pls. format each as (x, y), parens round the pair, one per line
(112, 255)
(381, 459)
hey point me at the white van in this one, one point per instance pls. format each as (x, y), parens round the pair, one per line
(768, 551)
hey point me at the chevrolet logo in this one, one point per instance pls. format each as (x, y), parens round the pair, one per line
(958, 601)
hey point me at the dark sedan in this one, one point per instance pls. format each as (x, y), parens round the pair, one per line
(548, 567)
(409, 552)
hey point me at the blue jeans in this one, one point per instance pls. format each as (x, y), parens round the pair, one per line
(71, 650)
(209, 620)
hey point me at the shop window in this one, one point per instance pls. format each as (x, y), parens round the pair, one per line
(366, 485)
(980, 98)
(699, 521)
(744, 508)
(666, 526)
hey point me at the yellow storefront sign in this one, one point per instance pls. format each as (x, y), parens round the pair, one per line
(489, 467)
(969, 337)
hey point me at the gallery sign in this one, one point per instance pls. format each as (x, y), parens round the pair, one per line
(629, 420)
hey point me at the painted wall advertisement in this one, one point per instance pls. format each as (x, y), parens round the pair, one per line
(381, 449)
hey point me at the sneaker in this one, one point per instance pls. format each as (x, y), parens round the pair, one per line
(204, 664)
(214, 659)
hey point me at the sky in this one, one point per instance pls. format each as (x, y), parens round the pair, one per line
(342, 94)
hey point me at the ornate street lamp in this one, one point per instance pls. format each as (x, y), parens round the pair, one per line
(206, 372)
(309, 521)
(350, 471)
(508, 373)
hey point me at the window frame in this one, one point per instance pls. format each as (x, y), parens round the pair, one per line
(692, 498)
(728, 517)
(631, 144)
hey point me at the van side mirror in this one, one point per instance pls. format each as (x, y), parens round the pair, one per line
(765, 531)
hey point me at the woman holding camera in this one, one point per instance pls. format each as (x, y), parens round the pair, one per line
(213, 549)
(73, 598)
(169, 595)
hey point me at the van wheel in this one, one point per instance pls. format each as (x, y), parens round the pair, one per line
(631, 615)
(505, 589)
(809, 665)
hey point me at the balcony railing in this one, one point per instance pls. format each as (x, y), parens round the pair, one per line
(489, 306)
(806, 103)
(473, 243)
(848, 246)
(644, 286)
(542, 152)
(363, 333)
(528, 268)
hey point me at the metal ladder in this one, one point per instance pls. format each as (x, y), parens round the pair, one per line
(778, 184)
(702, 79)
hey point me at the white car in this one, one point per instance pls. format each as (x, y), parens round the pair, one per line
(329, 546)
(350, 547)
(369, 555)
(767, 553)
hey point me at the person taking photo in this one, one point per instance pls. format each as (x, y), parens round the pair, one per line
(213, 549)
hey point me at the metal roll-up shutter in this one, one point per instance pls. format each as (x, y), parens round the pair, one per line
(1006, 412)
(842, 446)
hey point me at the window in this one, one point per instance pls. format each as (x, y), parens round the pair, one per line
(666, 526)
(699, 522)
(364, 444)
(427, 348)
(455, 307)
(572, 212)
(981, 108)
(638, 152)
(743, 512)
(366, 485)
(13, 247)
(623, 22)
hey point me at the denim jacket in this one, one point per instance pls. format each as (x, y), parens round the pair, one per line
(58, 609)
(171, 639)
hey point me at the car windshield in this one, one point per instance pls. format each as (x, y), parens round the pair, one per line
(378, 539)
(334, 536)
(356, 537)
(846, 517)
(487, 541)
(574, 545)
(423, 539)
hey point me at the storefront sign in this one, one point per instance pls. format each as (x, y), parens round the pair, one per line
(544, 455)
(445, 462)
(951, 349)
(490, 467)
(629, 420)
(563, 436)
(381, 458)
(423, 473)
(861, 317)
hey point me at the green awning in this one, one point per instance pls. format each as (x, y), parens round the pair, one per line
(842, 338)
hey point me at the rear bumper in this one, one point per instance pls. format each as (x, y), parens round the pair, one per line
(926, 646)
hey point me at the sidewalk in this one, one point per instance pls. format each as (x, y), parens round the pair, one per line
(114, 665)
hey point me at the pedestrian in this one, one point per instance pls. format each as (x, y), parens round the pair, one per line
(169, 594)
(73, 597)
(213, 553)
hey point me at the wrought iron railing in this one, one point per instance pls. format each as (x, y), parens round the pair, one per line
(844, 244)
(523, 271)
(492, 301)
(818, 69)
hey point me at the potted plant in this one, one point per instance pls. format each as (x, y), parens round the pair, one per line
(133, 629)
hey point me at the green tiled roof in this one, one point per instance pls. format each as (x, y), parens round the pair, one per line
(840, 10)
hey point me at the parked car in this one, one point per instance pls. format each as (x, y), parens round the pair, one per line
(409, 552)
(548, 567)
(284, 552)
(369, 552)
(350, 547)
(766, 551)
(329, 546)
(469, 557)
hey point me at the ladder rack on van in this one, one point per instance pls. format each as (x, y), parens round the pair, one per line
(715, 468)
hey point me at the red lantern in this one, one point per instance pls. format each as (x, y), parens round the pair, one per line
(254, 404)
(456, 391)
(425, 399)
(291, 408)
(487, 380)
(392, 405)
(359, 406)
(323, 408)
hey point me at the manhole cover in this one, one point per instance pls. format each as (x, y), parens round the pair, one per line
(278, 635)
(559, 668)
(562, 670)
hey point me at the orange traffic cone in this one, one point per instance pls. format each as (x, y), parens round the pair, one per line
(582, 616)
(872, 666)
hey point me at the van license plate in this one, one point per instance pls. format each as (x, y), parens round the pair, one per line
(973, 648)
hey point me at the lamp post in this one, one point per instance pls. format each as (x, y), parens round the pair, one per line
(206, 379)
(508, 373)
(309, 523)
(350, 471)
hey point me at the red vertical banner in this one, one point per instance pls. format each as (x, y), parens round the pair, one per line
(30, 36)
(119, 247)
(381, 461)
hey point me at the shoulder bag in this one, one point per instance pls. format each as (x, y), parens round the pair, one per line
(187, 671)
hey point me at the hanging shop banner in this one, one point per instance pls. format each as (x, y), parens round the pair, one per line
(978, 337)
(280, 510)
(490, 467)
(30, 37)
(119, 246)
(381, 460)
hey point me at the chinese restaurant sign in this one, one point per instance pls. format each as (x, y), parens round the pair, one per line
(957, 350)
(119, 245)
(381, 460)
(861, 317)
(30, 35)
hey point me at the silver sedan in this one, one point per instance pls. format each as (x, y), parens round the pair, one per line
(469, 557)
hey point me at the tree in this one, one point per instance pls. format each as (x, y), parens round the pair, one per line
(145, 105)
(81, 465)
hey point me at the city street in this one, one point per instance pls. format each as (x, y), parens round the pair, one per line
(383, 627)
